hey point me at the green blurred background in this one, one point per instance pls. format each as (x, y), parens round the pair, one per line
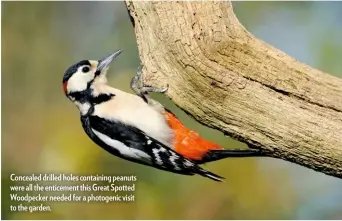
(41, 132)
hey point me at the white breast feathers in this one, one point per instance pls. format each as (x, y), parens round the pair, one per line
(132, 110)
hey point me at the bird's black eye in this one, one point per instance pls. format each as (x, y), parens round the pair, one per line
(85, 69)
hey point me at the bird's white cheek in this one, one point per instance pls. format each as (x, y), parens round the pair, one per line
(79, 81)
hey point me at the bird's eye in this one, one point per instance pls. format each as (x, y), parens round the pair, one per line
(85, 69)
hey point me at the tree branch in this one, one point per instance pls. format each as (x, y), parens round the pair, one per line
(229, 80)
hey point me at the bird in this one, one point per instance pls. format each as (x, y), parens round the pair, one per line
(134, 126)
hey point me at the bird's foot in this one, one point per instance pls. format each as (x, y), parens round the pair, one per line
(137, 85)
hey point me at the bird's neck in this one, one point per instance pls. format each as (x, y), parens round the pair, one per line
(100, 92)
(87, 99)
(82, 99)
(84, 108)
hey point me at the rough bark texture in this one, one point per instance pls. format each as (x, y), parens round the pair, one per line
(227, 79)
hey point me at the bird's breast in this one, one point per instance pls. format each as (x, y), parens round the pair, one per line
(135, 112)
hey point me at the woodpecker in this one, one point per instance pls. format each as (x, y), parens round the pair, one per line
(136, 127)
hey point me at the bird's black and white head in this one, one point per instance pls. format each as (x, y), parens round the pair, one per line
(78, 78)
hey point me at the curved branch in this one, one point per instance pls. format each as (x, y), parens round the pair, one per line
(227, 79)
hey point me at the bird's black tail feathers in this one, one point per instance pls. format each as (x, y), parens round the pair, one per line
(214, 155)
(210, 175)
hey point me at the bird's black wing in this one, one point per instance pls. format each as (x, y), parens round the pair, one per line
(136, 141)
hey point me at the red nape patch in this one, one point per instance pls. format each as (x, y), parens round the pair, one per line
(65, 85)
(187, 142)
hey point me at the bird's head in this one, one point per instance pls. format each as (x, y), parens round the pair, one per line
(80, 76)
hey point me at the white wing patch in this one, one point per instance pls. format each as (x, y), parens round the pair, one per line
(188, 164)
(122, 148)
(157, 157)
(172, 160)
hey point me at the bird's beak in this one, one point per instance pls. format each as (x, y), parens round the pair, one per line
(104, 63)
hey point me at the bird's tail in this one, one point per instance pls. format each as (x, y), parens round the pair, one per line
(210, 175)
(214, 155)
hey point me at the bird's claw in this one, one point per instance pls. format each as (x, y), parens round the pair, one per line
(140, 89)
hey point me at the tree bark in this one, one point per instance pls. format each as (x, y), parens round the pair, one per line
(229, 80)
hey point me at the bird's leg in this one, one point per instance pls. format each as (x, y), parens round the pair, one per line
(140, 89)
(137, 85)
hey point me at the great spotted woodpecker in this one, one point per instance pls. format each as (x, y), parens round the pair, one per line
(136, 127)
